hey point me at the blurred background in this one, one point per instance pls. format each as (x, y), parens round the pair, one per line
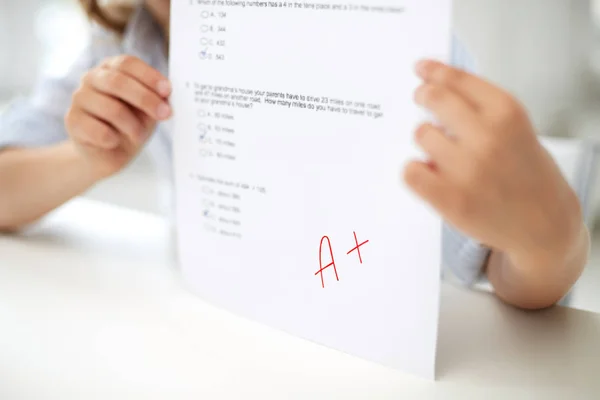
(546, 52)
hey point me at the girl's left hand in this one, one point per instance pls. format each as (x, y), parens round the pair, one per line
(488, 174)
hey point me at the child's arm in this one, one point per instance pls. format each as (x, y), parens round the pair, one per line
(539, 279)
(111, 117)
(490, 178)
(36, 181)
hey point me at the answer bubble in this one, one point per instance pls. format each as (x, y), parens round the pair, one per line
(210, 228)
(208, 203)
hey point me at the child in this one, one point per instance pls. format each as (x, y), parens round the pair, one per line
(490, 179)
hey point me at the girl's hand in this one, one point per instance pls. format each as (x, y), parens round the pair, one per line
(115, 110)
(489, 176)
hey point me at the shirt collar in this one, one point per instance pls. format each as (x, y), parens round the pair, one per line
(143, 38)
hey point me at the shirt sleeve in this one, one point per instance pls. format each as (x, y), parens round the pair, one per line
(464, 257)
(38, 119)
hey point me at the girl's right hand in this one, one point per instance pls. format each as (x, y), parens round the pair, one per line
(115, 110)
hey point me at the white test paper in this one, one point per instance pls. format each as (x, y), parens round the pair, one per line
(293, 121)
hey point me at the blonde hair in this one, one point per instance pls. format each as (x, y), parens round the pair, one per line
(112, 17)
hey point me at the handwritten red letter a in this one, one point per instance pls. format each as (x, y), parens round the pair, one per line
(332, 264)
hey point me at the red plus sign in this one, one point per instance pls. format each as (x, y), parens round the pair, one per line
(331, 264)
(357, 248)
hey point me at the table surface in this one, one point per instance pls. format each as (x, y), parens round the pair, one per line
(92, 306)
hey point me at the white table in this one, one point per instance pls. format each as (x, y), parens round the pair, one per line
(92, 306)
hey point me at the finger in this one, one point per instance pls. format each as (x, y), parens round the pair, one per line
(114, 112)
(142, 72)
(89, 130)
(148, 123)
(117, 84)
(451, 110)
(477, 91)
(442, 150)
(426, 183)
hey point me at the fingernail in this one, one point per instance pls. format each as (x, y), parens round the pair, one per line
(420, 132)
(164, 88)
(421, 68)
(163, 111)
(420, 95)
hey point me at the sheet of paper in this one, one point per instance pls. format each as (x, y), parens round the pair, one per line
(293, 121)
